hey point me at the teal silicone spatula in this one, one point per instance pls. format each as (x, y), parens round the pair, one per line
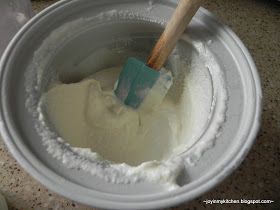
(137, 78)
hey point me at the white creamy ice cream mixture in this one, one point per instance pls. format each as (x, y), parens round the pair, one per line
(92, 130)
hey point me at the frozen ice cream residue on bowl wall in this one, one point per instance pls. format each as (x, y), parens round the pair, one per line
(133, 144)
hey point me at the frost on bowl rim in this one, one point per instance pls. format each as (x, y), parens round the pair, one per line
(81, 194)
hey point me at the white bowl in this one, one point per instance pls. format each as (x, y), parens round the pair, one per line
(18, 127)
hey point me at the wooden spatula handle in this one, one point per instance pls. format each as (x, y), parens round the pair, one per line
(183, 14)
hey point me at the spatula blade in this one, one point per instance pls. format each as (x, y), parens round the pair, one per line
(135, 81)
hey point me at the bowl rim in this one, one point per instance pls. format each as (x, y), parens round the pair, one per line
(64, 187)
